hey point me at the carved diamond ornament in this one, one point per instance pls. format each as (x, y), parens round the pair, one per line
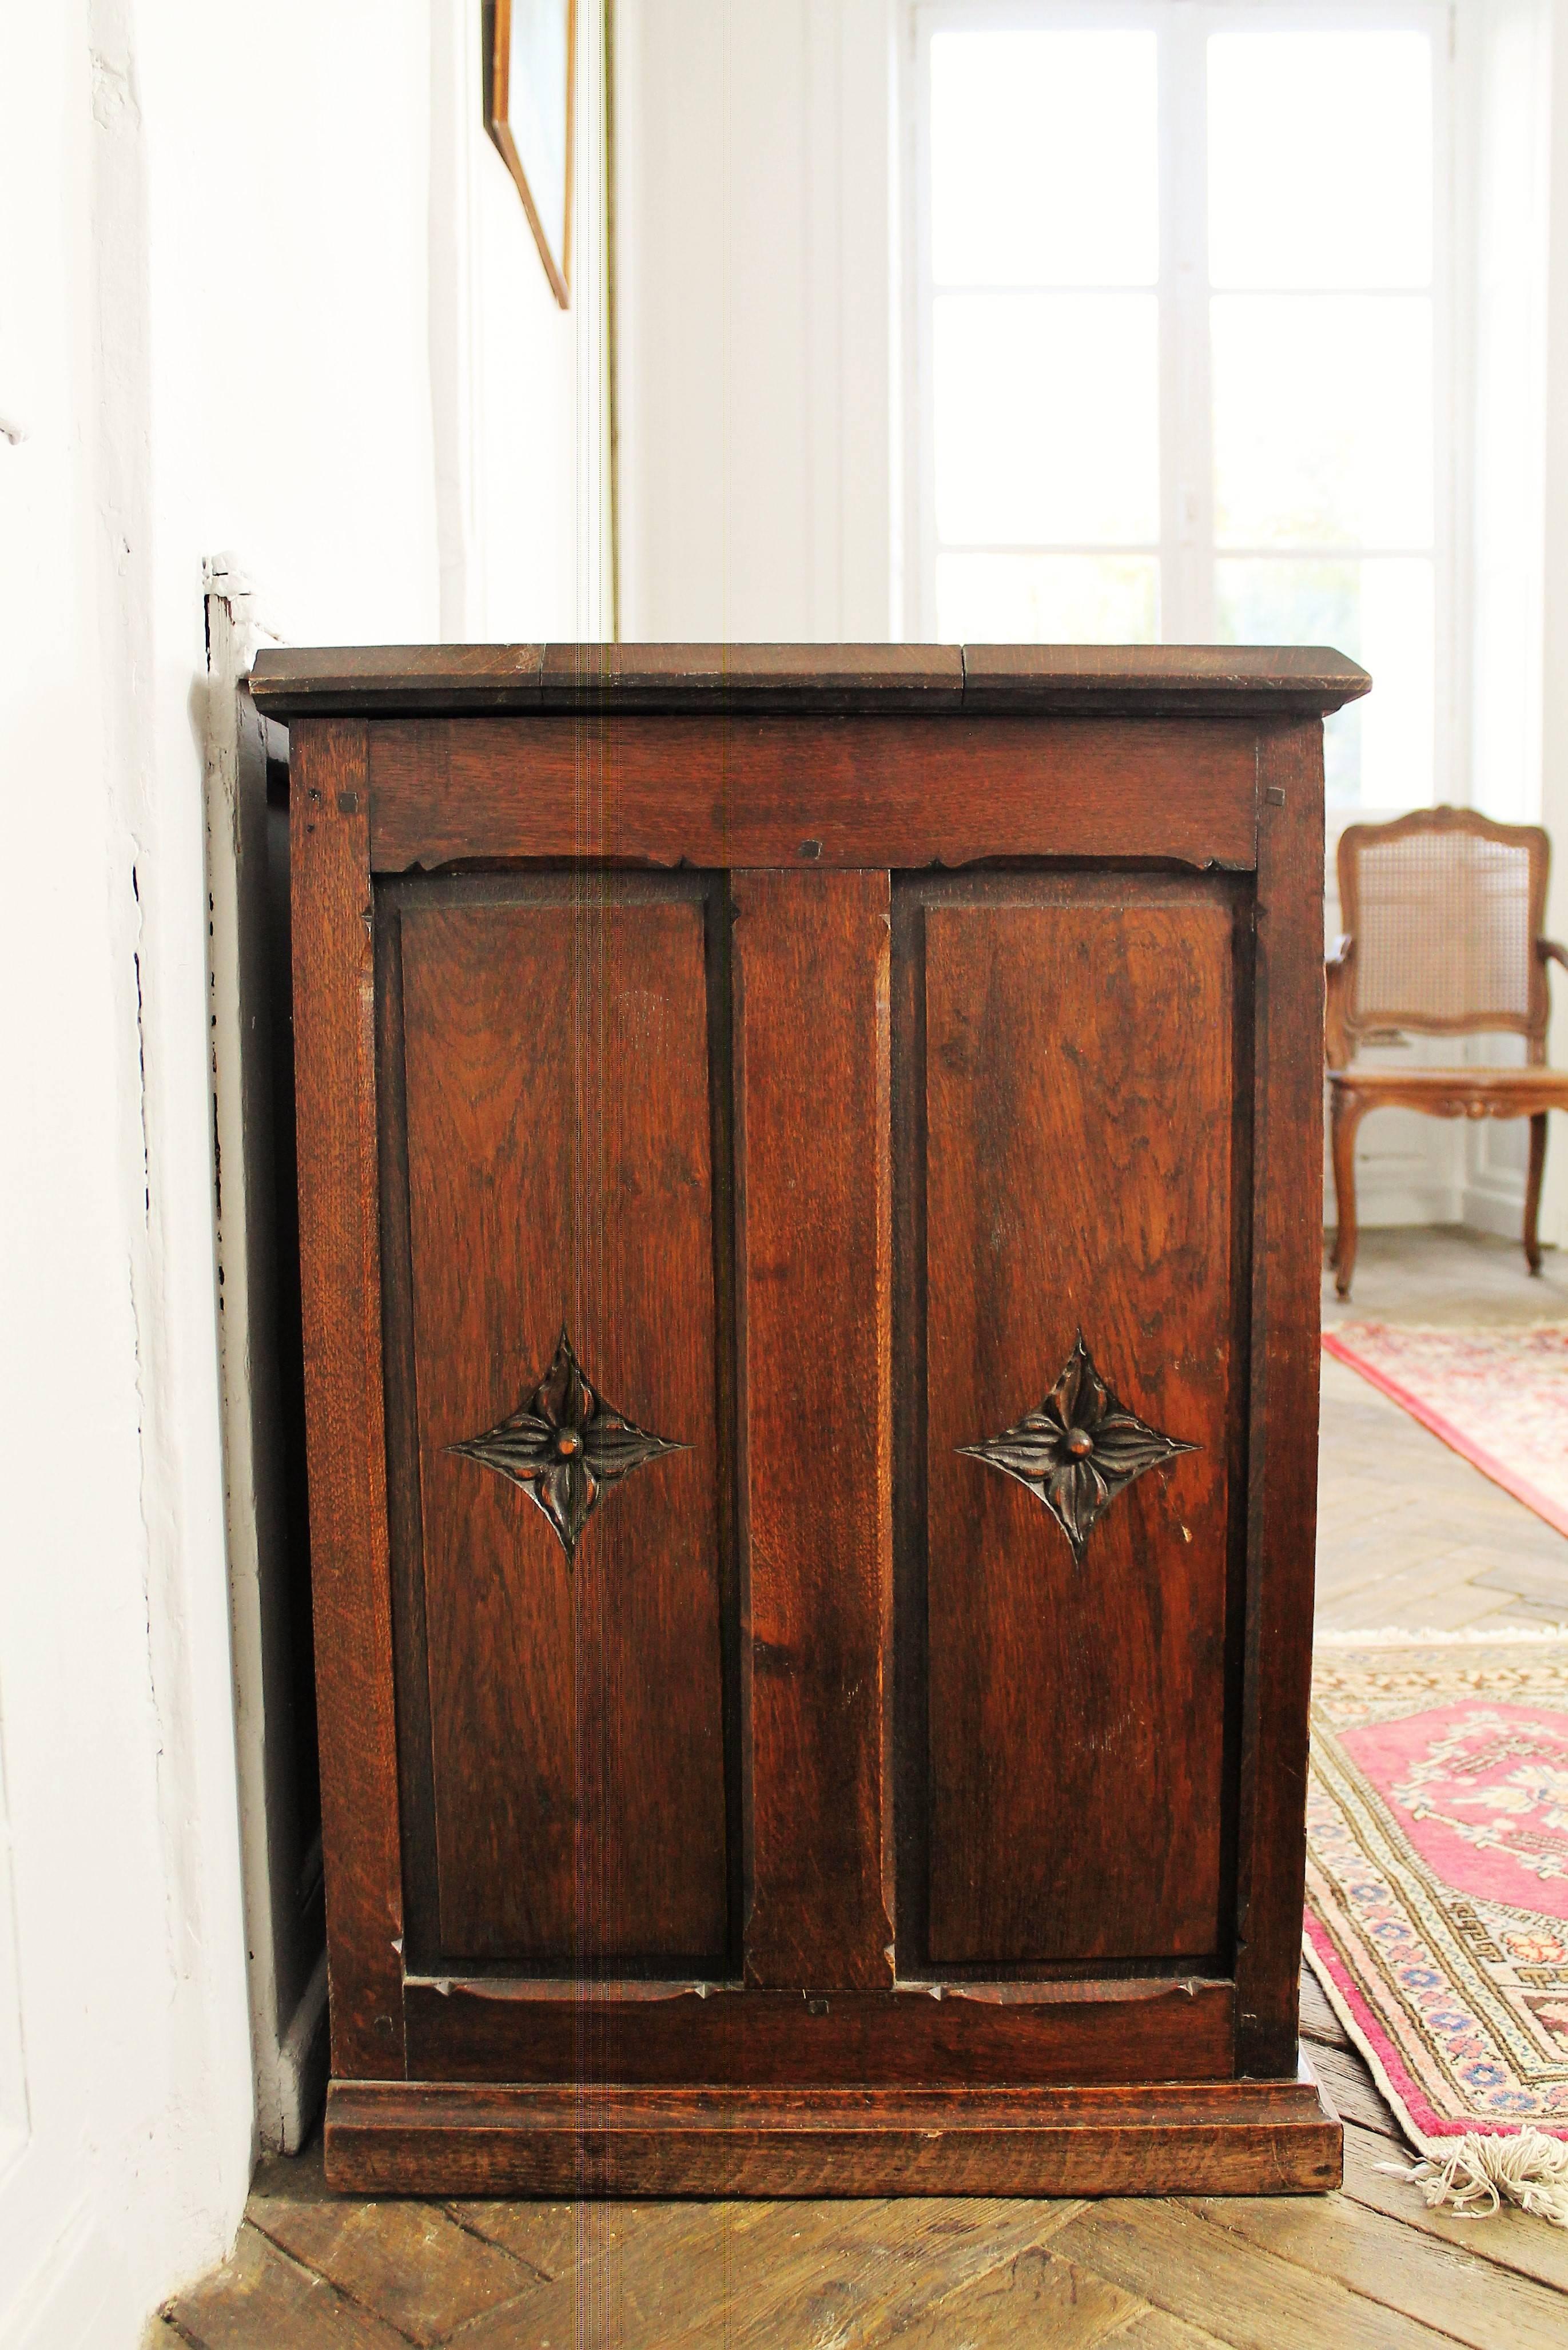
(1079, 1450)
(565, 1446)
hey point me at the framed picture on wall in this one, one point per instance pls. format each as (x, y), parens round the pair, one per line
(530, 53)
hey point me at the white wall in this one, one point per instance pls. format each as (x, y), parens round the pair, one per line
(757, 240)
(1554, 627)
(516, 384)
(217, 225)
(1516, 52)
(1504, 65)
(113, 1655)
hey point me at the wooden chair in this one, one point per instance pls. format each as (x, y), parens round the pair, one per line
(1442, 913)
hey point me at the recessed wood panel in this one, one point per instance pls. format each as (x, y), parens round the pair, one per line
(1075, 1080)
(557, 1066)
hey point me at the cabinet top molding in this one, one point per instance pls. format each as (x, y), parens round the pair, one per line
(807, 681)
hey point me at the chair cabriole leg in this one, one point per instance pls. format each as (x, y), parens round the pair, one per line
(1533, 1190)
(1344, 1116)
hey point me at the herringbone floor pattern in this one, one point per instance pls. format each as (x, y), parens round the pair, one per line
(1409, 1534)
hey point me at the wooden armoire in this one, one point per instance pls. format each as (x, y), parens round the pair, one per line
(810, 1170)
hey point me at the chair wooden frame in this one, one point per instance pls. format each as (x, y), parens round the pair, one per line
(1472, 1093)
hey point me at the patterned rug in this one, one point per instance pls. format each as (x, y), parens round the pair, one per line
(1436, 1912)
(1500, 1397)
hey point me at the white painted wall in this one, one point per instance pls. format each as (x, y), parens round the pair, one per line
(119, 1755)
(757, 250)
(1553, 801)
(516, 384)
(1513, 60)
(226, 267)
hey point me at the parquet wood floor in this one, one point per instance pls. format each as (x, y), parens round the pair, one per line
(1410, 1535)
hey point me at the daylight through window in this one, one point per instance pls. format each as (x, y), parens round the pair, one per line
(1177, 355)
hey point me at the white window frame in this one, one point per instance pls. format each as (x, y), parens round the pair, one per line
(1186, 552)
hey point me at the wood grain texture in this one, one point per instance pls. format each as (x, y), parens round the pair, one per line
(1261, 680)
(1282, 1500)
(665, 1108)
(1248, 2297)
(1473, 1094)
(557, 1075)
(816, 680)
(292, 681)
(340, 1289)
(1031, 2297)
(296, 681)
(1155, 2329)
(1077, 1075)
(1390, 2265)
(793, 793)
(1318, 2020)
(262, 2300)
(1224, 2137)
(1454, 1093)
(415, 2268)
(754, 2275)
(422, 1912)
(1345, 2080)
(1142, 2029)
(812, 1062)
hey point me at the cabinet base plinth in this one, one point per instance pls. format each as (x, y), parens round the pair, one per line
(1221, 2137)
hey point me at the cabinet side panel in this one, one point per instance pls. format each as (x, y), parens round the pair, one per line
(556, 1065)
(812, 951)
(1078, 1098)
(1282, 1501)
(335, 1091)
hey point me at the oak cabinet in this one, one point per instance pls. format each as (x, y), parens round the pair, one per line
(809, 1197)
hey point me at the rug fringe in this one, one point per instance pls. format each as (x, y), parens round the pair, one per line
(1481, 2172)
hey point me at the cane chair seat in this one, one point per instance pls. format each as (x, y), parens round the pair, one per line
(1443, 912)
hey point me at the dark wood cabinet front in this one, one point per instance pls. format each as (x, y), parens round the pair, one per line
(1071, 1217)
(809, 1214)
(547, 1081)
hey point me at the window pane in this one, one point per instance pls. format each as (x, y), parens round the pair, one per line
(1320, 158)
(1378, 752)
(1323, 419)
(1047, 599)
(1047, 426)
(1044, 160)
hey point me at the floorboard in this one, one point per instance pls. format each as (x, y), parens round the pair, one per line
(1382, 2259)
(1246, 2296)
(1035, 2296)
(1409, 1534)
(1509, 2240)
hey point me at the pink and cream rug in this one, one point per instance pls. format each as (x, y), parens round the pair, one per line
(1500, 1397)
(1437, 1916)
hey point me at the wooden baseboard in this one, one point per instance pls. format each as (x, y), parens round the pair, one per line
(1221, 2138)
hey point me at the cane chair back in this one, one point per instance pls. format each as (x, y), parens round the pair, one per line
(1442, 910)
